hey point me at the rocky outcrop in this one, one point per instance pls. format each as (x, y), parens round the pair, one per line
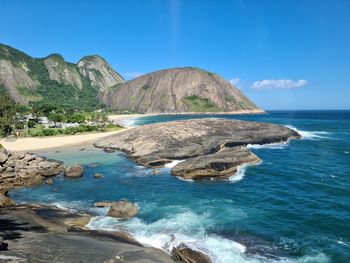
(74, 171)
(178, 90)
(36, 233)
(121, 209)
(208, 148)
(184, 254)
(5, 201)
(99, 72)
(24, 169)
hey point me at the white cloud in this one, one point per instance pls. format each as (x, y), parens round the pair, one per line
(235, 82)
(278, 84)
(132, 75)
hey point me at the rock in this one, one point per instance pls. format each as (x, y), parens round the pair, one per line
(98, 176)
(123, 209)
(5, 201)
(184, 254)
(104, 204)
(155, 172)
(208, 148)
(79, 222)
(49, 181)
(74, 171)
(108, 150)
(3, 244)
(49, 168)
(3, 157)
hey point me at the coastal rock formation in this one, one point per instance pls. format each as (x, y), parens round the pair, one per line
(184, 254)
(208, 148)
(36, 233)
(121, 209)
(73, 171)
(177, 90)
(23, 169)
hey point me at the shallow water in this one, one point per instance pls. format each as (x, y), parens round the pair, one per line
(292, 207)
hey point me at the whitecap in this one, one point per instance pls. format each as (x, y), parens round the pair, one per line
(241, 170)
(277, 145)
(310, 135)
(127, 122)
(173, 163)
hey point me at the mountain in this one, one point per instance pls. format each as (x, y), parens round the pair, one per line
(53, 80)
(177, 90)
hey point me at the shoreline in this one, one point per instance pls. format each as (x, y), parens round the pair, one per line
(51, 142)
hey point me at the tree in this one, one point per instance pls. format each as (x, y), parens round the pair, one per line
(77, 117)
(7, 114)
(56, 117)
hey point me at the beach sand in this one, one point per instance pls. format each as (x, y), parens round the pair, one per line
(41, 143)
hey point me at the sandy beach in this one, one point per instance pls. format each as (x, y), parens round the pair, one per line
(41, 143)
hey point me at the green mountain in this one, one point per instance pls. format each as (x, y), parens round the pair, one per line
(52, 80)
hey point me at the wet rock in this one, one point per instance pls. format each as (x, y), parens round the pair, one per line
(108, 150)
(104, 204)
(123, 209)
(73, 171)
(155, 172)
(49, 181)
(184, 254)
(98, 176)
(3, 244)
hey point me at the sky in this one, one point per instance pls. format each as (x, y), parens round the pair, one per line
(290, 54)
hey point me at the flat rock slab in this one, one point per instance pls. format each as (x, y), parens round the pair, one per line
(210, 148)
(39, 234)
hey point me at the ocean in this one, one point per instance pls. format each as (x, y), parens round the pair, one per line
(294, 206)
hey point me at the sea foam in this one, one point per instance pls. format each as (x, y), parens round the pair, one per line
(310, 135)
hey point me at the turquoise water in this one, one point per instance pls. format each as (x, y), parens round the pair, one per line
(292, 207)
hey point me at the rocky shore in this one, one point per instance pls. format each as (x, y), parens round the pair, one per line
(208, 148)
(18, 169)
(36, 233)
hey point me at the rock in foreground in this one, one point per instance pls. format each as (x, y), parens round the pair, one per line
(209, 148)
(73, 171)
(184, 254)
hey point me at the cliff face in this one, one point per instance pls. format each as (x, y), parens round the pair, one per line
(31, 79)
(99, 72)
(177, 90)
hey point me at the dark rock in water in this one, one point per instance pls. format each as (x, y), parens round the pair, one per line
(109, 150)
(73, 171)
(123, 209)
(98, 176)
(49, 181)
(82, 149)
(210, 148)
(3, 244)
(184, 254)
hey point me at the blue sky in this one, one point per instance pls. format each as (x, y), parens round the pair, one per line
(283, 54)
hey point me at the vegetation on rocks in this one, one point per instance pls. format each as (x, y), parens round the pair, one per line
(197, 104)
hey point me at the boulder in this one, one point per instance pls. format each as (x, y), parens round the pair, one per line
(5, 201)
(3, 157)
(49, 168)
(49, 181)
(184, 254)
(73, 171)
(98, 176)
(123, 209)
